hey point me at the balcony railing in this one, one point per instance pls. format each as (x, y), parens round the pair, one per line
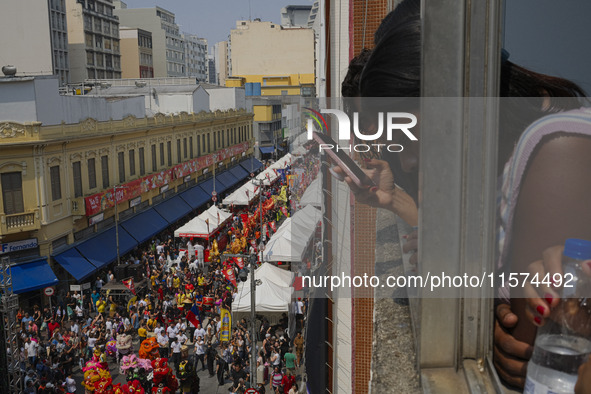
(18, 222)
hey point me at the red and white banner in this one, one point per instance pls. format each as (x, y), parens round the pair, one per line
(230, 275)
(129, 284)
(239, 262)
(285, 211)
(273, 226)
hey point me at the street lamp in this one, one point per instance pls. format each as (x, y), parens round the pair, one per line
(117, 220)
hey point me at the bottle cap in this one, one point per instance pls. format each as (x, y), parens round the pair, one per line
(577, 249)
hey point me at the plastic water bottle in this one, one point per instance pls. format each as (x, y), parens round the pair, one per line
(564, 342)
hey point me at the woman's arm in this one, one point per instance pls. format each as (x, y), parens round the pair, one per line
(553, 205)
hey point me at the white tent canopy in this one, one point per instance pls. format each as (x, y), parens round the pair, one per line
(282, 162)
(204, 225)
(313, 194)
(272, 296)
(291, 239)
(243, 195)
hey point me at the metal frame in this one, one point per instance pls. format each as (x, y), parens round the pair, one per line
(458, 181)
(9, 306)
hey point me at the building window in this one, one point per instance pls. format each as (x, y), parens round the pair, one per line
(200, 143)
(105, 170)
(121, 160)
(12, 193)
(169, 151)
(91, 173)
(132, 162)
(154, 164)
(162, 153)
(215, 145)
(191, 146)
(208, 145)
(178, 151)
(77, 173)
(142, 162)
(185, 147)
(56, 186)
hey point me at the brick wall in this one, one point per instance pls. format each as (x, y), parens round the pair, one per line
(367, 16)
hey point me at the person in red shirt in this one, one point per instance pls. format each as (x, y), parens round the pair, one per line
(287, 381)
(52, 326)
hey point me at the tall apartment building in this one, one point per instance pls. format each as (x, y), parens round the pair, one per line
(59, 40)
(93, 40)
(42, 44)
(136, 53)
(281, 60)
(168, 48)
(211, 71)
(222, 62)
(195, 56)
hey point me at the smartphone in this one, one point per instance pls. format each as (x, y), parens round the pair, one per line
(340, 158)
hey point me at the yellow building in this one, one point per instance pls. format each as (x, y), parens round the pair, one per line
(280, 59)
(59, 179)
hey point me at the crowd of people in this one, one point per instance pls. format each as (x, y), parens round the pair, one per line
(169, 324)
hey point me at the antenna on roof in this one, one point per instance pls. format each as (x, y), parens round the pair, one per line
(249, 11)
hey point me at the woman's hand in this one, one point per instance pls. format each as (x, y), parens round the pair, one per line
(510, 356)
(386, 194)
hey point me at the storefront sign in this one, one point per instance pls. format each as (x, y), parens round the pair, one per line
(16, 246)
(96, 218)
(86, 286)
(135, 201)
(75, 288)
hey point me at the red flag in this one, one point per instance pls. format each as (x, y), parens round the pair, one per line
(253, 243)
(218, 218)
(247, 194)
(230, 276)
(273, 226)
(239, 262)
(193, 316)
(129, 284)
(285, 212)
(244, 217)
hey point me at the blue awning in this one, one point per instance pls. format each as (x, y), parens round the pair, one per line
(195, 197)
(174, 209)
(145, 225)
(31, 276)
(266, 149)
(207, 186)
(251, 165)
(101, 249)
(227, 179)
(239, 172)
(75, 264)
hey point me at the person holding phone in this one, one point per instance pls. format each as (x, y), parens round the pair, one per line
(542, 202)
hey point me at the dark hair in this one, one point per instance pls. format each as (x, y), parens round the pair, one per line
(394, 70)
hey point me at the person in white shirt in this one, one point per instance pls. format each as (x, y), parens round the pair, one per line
(171, 331)
(199, 352)
(163, 340)
(70, 384)
(182, 338)
(175, 345)
(31, 348)
(199, 332)
(158, 330)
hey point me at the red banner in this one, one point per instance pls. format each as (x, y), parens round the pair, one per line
(104, 200)
(229, 274)
(239, 262)
(129, 284)
(100, 201)
(285, 212)
(273, 226)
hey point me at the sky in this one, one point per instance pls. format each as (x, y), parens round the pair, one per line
(213, 19)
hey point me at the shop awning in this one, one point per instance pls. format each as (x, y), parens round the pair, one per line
(239, 172)
(173, 209)
(195, 197)
(207, 186)
(76, 264)
(31, 276)
(266, 149)
(145, 225)
(101, 249)
(227, 179)
(251, 165)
